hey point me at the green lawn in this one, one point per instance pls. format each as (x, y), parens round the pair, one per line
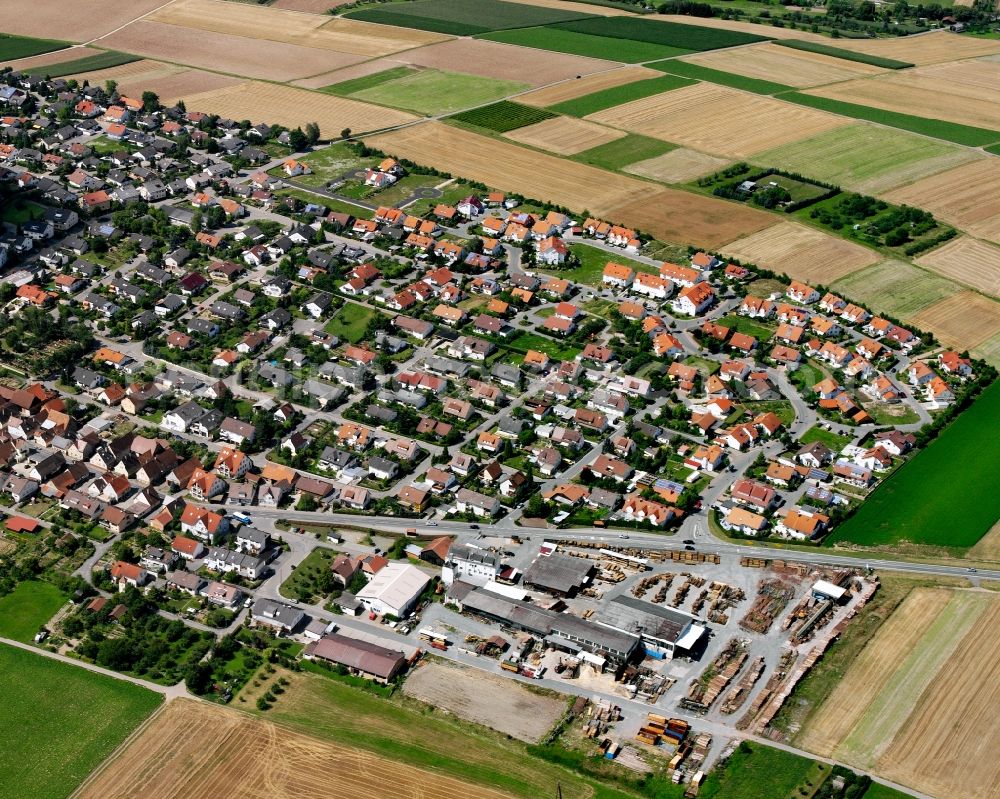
(350, 322)
(756, 772)
(102, 60)
(503, 116)
(12, 47)
(592, 263)
(670, 34)
(328, 164)
(619, 153)
(27, 608)
(936, 128)
(731, 79)
(847, 55)
(461, 18)
(833, 440)
(58, 722)
(865, 157)
(307, 581)
(877, 791)
(750, 327)
(19, 211)
(522, 342)
(945, 495)
(433, 91)
(617, 95)
(593, 46)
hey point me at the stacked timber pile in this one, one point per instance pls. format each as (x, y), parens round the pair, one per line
(772, 596)
(713, 681)
(788, 658)
(738, 695)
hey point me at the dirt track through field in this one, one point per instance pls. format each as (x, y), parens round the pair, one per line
(871, 670)
(949, 744)
(718, 120)
(494, 702)
(802, 252)
(197, 749)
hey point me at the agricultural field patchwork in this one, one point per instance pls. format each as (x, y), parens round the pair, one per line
(967, 260)
(939, 46)
(565, 135)
(578, 87)
(89, 60)
(964, 196)
(966, 319)
(76, 720)
(676, 66)
(430, 91)
(802, 252)
(79, 21)
(896, 287)
(866, 158)
(15, 47)
(718, 120)
(617, 95)
(931, 664)
(168, 81)
(503, 116)
(459, 18)
(840, 53)
(590, 45)
(914, 505)
(618, 154)
(670, 34)
(677, 166)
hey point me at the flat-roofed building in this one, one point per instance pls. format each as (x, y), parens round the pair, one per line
(665, 632)
(559, 574)
(394, 590)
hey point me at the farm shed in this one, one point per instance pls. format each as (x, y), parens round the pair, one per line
(823, 589)
(360, 657)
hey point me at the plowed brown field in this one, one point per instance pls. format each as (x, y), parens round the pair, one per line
(965, 196)
(967, 260)
(198, 749)
(718, 120)
(802, 252)
(674, 215)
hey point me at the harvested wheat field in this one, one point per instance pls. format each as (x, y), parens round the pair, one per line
(802, 252)
(926, 48)
(965, 196)
(309, 6)
(869, 673)
(486, 699)
(783, 65)
(504, 61)
(677, 166)
(988, 547)
(718, 120)
(967, 92)
(564, 135)
(970, 261)
(76, 21)
(896, 287)
(746, 27)
(307, 30)
(868, 158)
(573, 88)
(285, 105)
(169, 81)
(965, 320)
(583, 8)
(948, 746)
(55, 57)
(222, 52)
(199, 749)
(675, 215)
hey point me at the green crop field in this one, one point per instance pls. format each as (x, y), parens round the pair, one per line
(936, 128)
(103, 60)
(58, 722)
(560, 40)
(27, 608)
(12, 47)
(350, 322)
(755, 772)
(348, 87)
(616, 95)
(731, 79)
(620, 153)
(865, 157)
(461, 18)
(946, 495)
(878, 791)
(846, 55)
(671, 34)
(503, 116)
(431, 91)
(896, 287)
(993, 148)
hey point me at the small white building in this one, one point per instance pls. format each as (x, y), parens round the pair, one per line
(394, 590)
(471, 564)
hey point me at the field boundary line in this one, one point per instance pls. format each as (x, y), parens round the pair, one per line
(122, 27)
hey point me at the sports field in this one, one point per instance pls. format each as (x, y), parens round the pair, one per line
(617, 95)
(59, 721)
(578, 87)
(964, 196)
(585, 44)
(915, 504)
(25, 609)
(967, 260)
(430, 91)
(565, 135)
(718, 120)
(867, 158)
(460, 18)
(783, 65)
(963, 320)
(802, 252)
(677, 166)
(932, 666)
(895, 287)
